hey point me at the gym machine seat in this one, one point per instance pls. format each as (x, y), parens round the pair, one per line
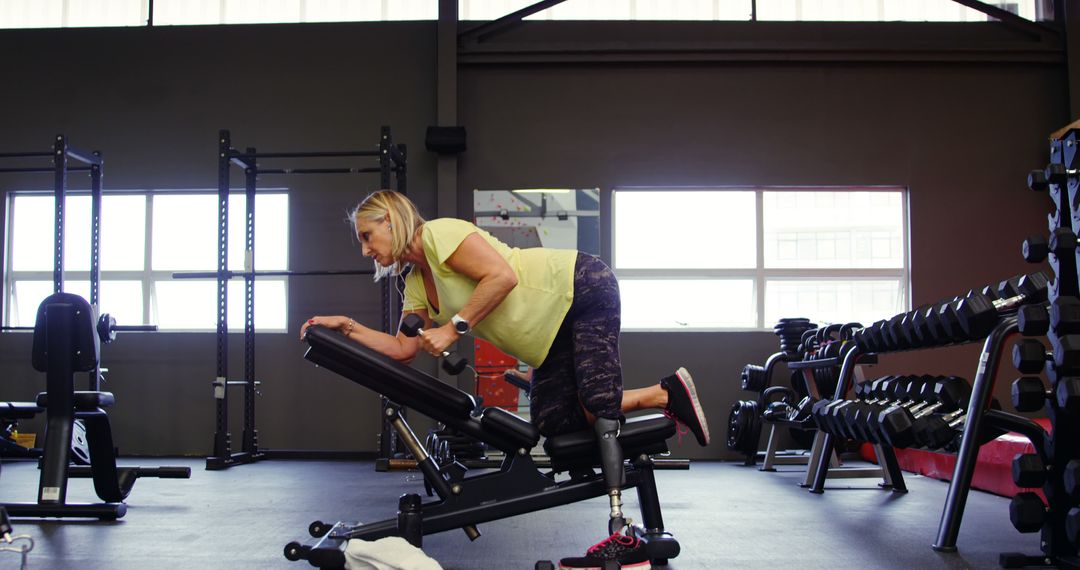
(517, 487)
(66, 342)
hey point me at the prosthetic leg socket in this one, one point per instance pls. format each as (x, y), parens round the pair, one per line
(611, 464)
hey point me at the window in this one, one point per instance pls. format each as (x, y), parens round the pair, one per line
(93, 13)
(145, 237)
(72, 13)
(744, 258)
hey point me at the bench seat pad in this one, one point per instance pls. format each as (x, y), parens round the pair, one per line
(646, 434)
(84, 401)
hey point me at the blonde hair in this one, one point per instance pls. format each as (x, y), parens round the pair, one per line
(404, 220)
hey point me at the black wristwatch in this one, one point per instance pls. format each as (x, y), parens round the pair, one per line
(460, 324)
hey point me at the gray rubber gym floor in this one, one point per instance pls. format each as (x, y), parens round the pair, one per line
(724, 515)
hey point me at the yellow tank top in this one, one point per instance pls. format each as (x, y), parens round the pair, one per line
(525, 323)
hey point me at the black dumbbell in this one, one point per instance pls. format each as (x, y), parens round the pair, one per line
(1008, 287)
(940, 430)
(904, 391)
(1068, 393)
(978, 315)
(1027, 512)
(1028, 394)
(870, 395)
(910, 393)
(869, 338)
(882, 393)
(910, 331)
(951, 394)
(1055, 174)
(1065, 315)
(412, 325)
(926, 325)
(1033, 320)
(1036, 180)
(1029, 356)
(1066, 353)
(837, 418)
(1035, 249)
(1028, 470)
(1062, 242)
(1072, 525)
(1071, 479)
(897, 425)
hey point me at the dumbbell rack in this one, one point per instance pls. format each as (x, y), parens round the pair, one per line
(751, 426)
(823, 452)
(1058, 447)
(771, 455)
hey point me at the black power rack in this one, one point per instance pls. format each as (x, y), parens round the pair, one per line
(392, 162)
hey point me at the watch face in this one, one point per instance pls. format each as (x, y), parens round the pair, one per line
(462, 327)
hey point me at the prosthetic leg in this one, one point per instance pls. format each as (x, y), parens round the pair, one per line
(611, 464)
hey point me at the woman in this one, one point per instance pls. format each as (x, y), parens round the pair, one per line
(556, 310)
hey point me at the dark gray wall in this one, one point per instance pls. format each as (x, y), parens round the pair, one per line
(960, 132)
(153, 101)
(962, 135)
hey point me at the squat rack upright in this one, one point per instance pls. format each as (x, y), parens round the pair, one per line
(62, 152)
(391, 161)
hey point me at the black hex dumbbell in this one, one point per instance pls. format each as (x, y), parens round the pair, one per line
(1028, 470)
(1036, 180)
(1068, 393)
(829, 416)
(1033, 320)
(1029, 356)
(1008, 288)
(939, 431)
(1065, 315)
(1028, 394)
(1035, 249)
(933, 430)
(1027, 512)
(412, 325)
(1072, 525)
(885, 392)
(928, 327)
(1066, 353)
(899, 426)
(1055, 174)
(978, 315)
(1062, 242)
(1071, 479)
(873, 395)
(904, 391)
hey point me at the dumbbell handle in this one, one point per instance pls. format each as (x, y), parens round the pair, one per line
(420, 331)
(922, 413)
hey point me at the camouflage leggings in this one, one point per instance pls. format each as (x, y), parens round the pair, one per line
(582, 367)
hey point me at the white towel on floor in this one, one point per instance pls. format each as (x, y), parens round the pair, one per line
(390, 553)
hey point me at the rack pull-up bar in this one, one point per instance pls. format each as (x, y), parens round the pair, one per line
(24, 154)
(45, 169)
(326, 154)
(319, 170)
(269, 273)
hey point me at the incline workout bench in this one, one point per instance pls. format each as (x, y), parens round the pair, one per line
(517, 487)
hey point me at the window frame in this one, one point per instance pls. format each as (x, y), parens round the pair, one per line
(761, 275)
(147, 276)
